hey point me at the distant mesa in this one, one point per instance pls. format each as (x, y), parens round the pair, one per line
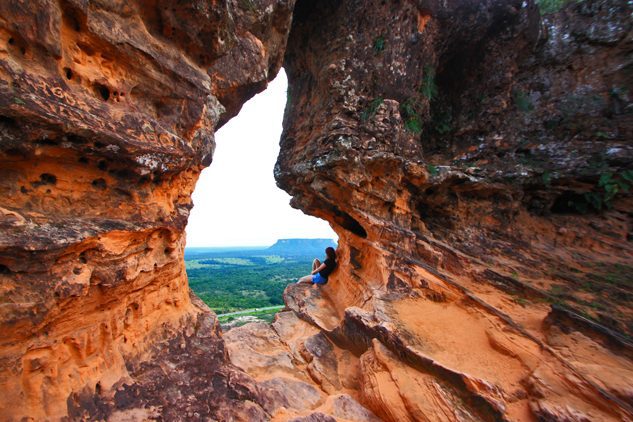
(283, 247)
(301, 247)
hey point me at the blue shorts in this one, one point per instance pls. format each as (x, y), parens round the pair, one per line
(318, 279)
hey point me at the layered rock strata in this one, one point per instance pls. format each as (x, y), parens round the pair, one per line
(474, 158)
(107, 116)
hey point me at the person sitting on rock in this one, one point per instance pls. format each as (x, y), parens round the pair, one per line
(321, 271)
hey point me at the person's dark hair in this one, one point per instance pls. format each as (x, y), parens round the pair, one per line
(330, 252)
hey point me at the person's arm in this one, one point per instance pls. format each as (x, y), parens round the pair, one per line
(320, 267)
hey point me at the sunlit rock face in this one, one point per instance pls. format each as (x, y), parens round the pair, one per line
(107, 116)
(475, 159)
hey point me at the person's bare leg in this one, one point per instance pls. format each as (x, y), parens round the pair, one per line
(306, 279)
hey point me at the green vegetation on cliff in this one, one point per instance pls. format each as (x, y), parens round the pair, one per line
(551, 6)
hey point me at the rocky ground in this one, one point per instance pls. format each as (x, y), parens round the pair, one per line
(414, 357)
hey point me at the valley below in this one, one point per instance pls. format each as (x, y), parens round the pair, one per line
(246, 284)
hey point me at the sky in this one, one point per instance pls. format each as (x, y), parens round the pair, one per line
(236, 200)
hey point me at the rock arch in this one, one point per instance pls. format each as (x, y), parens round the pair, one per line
(439, 168)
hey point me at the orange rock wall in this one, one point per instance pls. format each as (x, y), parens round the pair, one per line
(464, 152)
(107, 116)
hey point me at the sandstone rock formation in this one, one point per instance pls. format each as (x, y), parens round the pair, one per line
(474, 158)
(108, 111)
(472, 155)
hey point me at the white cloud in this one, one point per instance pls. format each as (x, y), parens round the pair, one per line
(236, 201)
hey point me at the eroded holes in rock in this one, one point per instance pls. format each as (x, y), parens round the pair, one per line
(123, 192)
(99, 183)
(4, 270)
(8, 122)
(49, 179)
(16, 43)
(438, 297)
(102, 165)
(123, 174)
(76, 139)
(162, 108)
(86, 48)
(432, 218)
(570, 202)
(397, 284)
(45, 179)
(47, 141)
(15, 152)
(69, 73)
(349, 223)
(24, 190)
(118, 96)
(103, 91)
(355, 258)
(128, 317)
(83, 160)
(72, 16)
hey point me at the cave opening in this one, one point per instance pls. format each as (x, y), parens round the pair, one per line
(245, 243)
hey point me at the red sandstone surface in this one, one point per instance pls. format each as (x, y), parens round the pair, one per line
(472, 156)
(108, 114)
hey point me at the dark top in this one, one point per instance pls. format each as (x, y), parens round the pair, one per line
(330, 264)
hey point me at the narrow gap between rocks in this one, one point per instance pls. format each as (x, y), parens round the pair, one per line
(244, 241)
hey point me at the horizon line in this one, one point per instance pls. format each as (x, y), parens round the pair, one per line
(262, 246)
